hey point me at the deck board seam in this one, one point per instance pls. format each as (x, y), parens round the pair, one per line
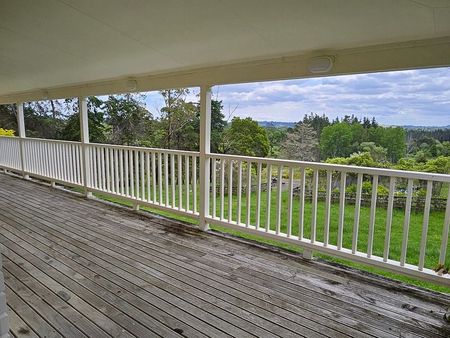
(120, 310)
(37, 310)
(178, 279)
(131, 223)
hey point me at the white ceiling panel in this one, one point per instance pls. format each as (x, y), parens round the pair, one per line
(54, 43)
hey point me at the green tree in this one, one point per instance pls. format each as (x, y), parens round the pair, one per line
(218, 125)
(336, 140)
(439, 165)
(8, 119)
(360, 159)
(129, 120)
(178, 120)
(276, 137)
(317, 122)
(446, 148)
(394, 140)
(378, 153)
(97, 126)
(301, 144)
(245, 137)
(39, 122)
(409, 164)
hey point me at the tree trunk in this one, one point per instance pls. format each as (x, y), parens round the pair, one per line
(53, 109)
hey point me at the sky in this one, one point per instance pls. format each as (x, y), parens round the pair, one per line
(412, 97)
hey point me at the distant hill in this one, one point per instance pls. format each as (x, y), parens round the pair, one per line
(279, 124)
(430, 128)
(276, 124)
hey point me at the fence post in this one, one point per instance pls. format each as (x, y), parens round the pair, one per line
(22, 135)
(84, 136)
(205, 143)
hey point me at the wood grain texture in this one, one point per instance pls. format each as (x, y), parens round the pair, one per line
(75, 267)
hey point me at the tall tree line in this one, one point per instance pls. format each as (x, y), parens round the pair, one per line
(124, 119)
(316, 138)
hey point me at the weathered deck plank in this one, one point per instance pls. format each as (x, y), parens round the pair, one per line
(17, 325)
(75, 267)
(89, 328)
(132, 261)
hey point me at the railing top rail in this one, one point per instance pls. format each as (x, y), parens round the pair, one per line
(159, 150)
(339, 167)
(156, 150)
(44, 140)
(289, 163)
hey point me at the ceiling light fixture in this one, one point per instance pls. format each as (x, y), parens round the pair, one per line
(132, 85)
(45, 94)
(320, 64)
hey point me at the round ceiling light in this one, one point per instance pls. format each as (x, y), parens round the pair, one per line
(132, 85)
(320, 64)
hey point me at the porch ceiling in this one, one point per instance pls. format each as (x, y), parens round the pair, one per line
(73, 47)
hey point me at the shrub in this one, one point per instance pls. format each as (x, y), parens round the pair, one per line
(6, 132)
(366, 188)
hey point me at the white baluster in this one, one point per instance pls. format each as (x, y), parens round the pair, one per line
(289, 207)
(187, 179)
(222, 188)
(341, 210)
(239, 194)
(409, 191)
(390, 207)
(314, 205)
(230, 191)
(269, 193)
(301, 212)
(373, 209)
(357, 213)
(426, 217)
(258, 195)
(279, 188)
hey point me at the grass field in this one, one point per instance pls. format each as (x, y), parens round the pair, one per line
(436, 222)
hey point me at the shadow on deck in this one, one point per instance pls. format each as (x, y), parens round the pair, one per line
(75, 267)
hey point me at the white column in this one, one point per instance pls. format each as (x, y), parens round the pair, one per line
(205, 143)
(22, 135)
(84, 135)
(4, 322)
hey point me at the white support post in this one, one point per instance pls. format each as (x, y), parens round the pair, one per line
(4, 321)
(84, 135)
(205, 143)
(22, 135)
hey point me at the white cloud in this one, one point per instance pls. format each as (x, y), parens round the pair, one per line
(419, 97)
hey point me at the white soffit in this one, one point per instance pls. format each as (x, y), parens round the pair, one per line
(56, 48)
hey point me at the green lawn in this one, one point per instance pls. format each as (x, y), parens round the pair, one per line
(433, 239)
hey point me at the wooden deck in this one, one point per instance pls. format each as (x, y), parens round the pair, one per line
(75, 267)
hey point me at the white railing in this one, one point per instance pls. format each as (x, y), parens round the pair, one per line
(10, 152)
(158, 177)
(305, 204)
(59, 161)
(280, 199)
